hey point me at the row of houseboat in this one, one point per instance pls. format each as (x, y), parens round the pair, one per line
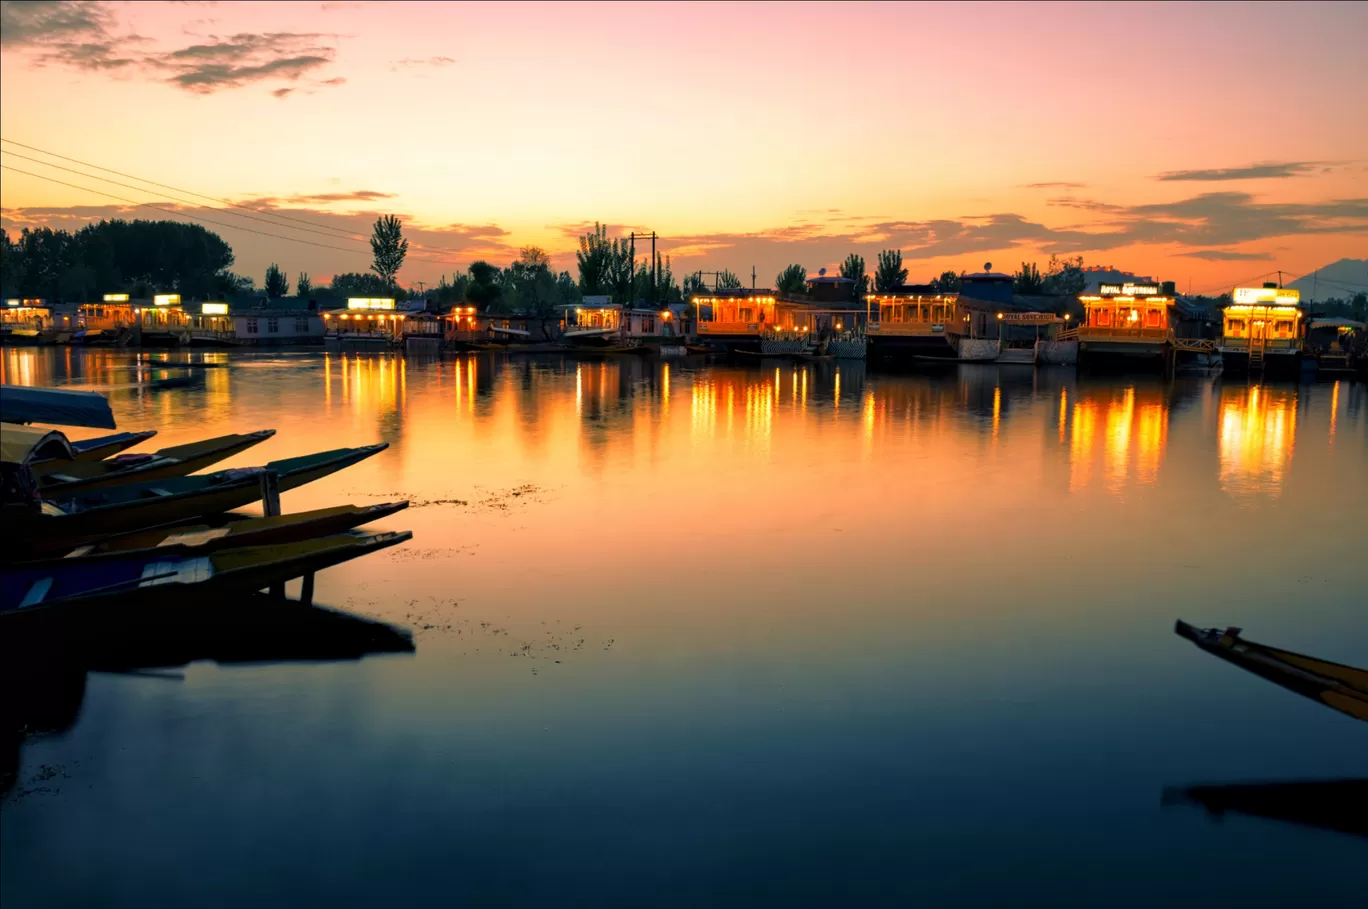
(1141, 325)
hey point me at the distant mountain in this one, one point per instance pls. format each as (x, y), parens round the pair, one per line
(1340, 279)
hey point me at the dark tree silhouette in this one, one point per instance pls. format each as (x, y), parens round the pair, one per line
(388, 248)
(890, 274)
(277, 282)
(792, 280)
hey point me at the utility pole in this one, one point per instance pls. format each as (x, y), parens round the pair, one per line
(654, 276)
(752, 277)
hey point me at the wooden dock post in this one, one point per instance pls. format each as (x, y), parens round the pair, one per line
(306, 592)
(270, 506)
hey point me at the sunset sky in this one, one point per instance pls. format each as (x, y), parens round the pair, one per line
(1201, 144)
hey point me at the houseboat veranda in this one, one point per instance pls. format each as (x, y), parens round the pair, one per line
(762, 322)
(1262, 331)
(1126, 325)
(915, 326)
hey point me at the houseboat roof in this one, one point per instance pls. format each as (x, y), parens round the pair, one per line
(596, 302)
(593, 300)
(1336, 322)
(830, 279)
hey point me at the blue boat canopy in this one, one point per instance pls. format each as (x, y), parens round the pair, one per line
(22, 404)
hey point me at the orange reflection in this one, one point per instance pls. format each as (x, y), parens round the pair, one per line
(1134, 426)
(1258, 432)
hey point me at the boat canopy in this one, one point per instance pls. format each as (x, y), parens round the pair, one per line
(1336, 323)
(24, 444)
(22, 404)
(517, 332)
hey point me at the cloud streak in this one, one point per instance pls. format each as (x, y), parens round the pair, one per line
(1269, 170)
(86, 36)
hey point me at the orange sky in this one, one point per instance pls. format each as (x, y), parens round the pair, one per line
(1202, 144)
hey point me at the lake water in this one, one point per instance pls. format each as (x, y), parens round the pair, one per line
(694, 634)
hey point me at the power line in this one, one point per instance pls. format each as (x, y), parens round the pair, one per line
(140, 189)
(344, 233)
(349, 234)
(172, 211)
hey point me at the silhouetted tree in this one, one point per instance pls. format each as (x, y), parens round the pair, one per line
(948, 283)
(388, 248)
(890, 274)
(303, 286)
(277, 283)
(485, 290)
(1065, 276)
(693, 284)
(1028, 279)
(792, 280)
(727, 280)
(854, 268)
(355, 284)
(567, 290)
(594, 259)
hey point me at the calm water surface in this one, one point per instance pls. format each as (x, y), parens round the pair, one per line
(696, 634)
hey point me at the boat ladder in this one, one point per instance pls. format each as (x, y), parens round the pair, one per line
(1256, 353)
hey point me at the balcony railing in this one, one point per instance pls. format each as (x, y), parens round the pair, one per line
(1133, 335)
(730, 328)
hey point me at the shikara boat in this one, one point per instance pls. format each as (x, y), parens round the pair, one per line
(102, 447)
(1339, 805)
(244, 531)
(22, 404)
(176, 574)
(89, 515)
(56, 477)
(1339, 687)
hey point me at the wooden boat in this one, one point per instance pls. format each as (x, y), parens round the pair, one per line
(56, 477)
(177, 574)
(101, 447)
(1339, 687)
(22, 404)
(1338, 805)
(89, 515)
(240, 530)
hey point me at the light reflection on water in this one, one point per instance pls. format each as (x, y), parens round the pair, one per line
(708, 634)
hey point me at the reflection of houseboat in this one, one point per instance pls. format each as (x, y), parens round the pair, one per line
(1126, 324)
(908, 326)
(1262, 330)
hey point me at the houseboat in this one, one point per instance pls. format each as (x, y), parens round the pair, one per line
(593, 322)
(367, 323)
(24, 321)
(913, 326)
(1126, 325)
(758, 321)
(1262, 331)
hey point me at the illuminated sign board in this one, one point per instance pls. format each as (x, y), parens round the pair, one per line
(116, 298)
(370, 303)
(1031, 318)
(1280, 295)
(1129, 290)
(13, 301)
(214, 309)
(167, 299)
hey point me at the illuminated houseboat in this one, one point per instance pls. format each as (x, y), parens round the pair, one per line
(914, 326)
(1262, 330)
(24, 321)
(367, 323)
(737, 320)
(593, 322)
(1126, 324)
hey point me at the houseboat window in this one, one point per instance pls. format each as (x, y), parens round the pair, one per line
(1154, 318)
(505, 324)
(648, 326)
(1103, 317)
(1283, 327)
(301, 325)
(273, 326)
(1235, 326)
(746, 312)
(251, 326)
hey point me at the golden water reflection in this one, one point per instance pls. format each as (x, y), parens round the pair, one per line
(1258, 435)
(1133, 423)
